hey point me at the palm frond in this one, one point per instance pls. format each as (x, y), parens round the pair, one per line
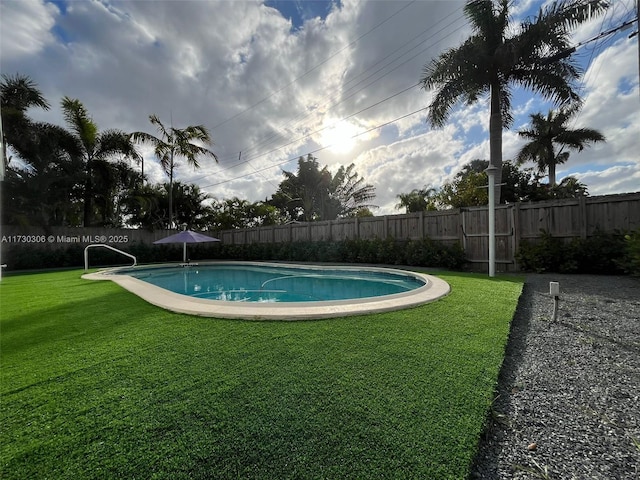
(115, 142)
(19, 93)
(80, 122)
(456, 76)
(578, 138)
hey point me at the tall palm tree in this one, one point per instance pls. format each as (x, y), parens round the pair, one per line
(549, 136)
(39, 188)
(174, 142)
(94, 146)
(534, 56)
(18, 93)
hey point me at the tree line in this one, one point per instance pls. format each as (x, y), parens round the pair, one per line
(81, 176)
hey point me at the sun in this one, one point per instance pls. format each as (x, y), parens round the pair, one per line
(339, 136)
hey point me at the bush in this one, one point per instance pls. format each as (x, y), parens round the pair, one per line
(603, 253)
(424, 253)
(631, 261)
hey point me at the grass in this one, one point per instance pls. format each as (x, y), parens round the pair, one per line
(96, 383)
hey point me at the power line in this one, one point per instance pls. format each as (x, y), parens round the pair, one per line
(313, 133)
(317, 149)
(313, 68)
(269, 139)
(302, 117)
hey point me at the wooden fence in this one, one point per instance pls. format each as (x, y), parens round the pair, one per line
(568, 219)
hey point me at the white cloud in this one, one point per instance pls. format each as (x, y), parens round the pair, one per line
(26, 28)
(618, 179)
(239, 69)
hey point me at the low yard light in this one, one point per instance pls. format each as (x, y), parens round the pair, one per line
(554, 291)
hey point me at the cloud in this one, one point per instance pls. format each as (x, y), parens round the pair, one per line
(618, 179)
(26, 28)
(262, 88)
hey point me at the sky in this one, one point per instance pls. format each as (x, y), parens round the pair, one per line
(275, 80)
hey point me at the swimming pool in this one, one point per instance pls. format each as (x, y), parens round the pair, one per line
(256, 290)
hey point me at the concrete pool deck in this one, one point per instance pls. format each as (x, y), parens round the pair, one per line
(434, 289)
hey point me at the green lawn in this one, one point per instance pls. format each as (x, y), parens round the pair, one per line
(96, 383)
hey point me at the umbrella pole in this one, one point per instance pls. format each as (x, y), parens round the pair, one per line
(184, 252)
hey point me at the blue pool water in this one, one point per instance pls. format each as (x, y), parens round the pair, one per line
(269, 283)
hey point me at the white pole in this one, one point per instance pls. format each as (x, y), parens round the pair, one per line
(491, 172)
(2, 172)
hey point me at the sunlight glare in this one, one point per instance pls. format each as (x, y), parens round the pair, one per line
(338, 137)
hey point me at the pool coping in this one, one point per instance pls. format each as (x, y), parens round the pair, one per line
(434, 289)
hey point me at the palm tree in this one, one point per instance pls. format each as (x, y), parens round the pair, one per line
(417, 200)
(174, 142)
(549, 136)
(17, 94)
(39, 189)
(534, 56)
(94, 146)
(351, 193)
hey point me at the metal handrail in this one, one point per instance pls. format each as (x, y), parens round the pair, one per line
(86, 254)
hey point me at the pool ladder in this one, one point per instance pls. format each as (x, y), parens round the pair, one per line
(86, 254)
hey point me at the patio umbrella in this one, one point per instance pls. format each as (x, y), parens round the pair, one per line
(184, 237)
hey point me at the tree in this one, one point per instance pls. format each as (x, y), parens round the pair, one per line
(465, 191)
(174, 142)
(237, 213)
(351, 193)
(17, 94)
(517, 185)
(94, 147)
(469, 186)
(315, 194)
(43, 188)
(190, 208)
(40, 188)
(418, 200)
(569, 187)
(549, 136)
(303, 196)
(147, 206)
(113, 184)
(534, 56)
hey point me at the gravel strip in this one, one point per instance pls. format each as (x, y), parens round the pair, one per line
(568, 400)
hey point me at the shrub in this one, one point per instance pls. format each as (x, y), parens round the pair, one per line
(602, 253)
(424, 252)
(544, 255)
(631, 260)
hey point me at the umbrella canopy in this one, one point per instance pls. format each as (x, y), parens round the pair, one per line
(184, 237)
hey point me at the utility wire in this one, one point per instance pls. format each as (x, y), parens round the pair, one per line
(311, 134)
(316, 150)
(313, 68)
(250, 158)
(301, 117)
(553, 58)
